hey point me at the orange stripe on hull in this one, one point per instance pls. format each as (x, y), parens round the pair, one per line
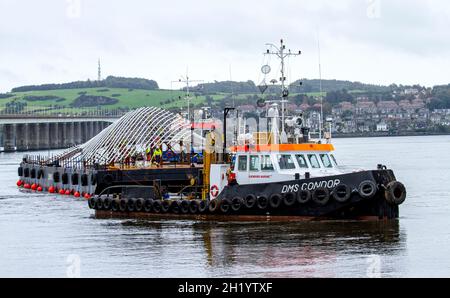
(283, 148)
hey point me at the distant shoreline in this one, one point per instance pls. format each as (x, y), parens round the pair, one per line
(382, 135)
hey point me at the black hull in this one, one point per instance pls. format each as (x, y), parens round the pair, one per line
(356, 206)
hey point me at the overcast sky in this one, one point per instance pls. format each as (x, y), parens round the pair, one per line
(373, 41)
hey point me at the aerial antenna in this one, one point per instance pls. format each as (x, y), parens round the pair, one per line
(187, 81)
(320, 88)
(282, 53)
(99, 73)
(231, 86)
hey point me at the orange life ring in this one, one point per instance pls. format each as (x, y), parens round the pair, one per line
(214, 191)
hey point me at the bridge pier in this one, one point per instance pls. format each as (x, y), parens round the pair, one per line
(27, 135)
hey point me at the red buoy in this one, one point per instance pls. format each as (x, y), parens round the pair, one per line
(40, 188)
(76, 194)
(51, 189)
(19, 183)
(27, 186)
(87, 196)
(33, 186)
(67, 192)
(62, 191)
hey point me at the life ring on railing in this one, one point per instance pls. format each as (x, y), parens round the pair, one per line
(214, 191)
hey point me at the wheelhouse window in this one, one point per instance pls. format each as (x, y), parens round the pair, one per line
(301, 161)
(286, 162)
(266, 163)
(242, 163)
(334, 160)
(326, 161)
(254, 163)
(314, 161)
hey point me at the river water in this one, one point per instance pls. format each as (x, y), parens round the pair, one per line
(45, 235)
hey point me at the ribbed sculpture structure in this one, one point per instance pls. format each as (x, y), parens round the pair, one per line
(132, 134)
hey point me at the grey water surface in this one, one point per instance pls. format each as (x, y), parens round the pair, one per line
(43, 235)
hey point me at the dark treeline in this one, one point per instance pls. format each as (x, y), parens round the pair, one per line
(227, 87)
(110, 82)
(307, 86)
(441, 97)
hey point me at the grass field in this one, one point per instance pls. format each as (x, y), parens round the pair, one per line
(128, 98)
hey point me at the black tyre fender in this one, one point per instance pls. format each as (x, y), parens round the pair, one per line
(225, 205)
(304, 196)
(148, 205)
(139, 206)
(165, 206)
(115, 205)
(107, 203)
(321, 196)
(262, 202)
(20, 171)
(367, 189)
(41, 174)
(213, 206)
(275, 201)
(289, 199)
(131, 205)
(26, 172)
(194, 207)
(202, 206)
(236, 204)
(184, 206)
(395, 193)
(250, 201)
(92, 202)
(342, 193)
(33, 173)
(175, 207)
(157, 206)
(123, 205)
(99, 204)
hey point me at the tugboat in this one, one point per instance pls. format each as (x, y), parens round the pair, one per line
(278, 174)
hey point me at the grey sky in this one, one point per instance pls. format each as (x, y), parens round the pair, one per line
(374, 41)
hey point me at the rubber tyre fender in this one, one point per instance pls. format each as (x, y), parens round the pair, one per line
(20, 171)
(139, 206)
(157, 206)
(236, 204)
(107, 202)
(33, 173)
(92, 202)
(115, 203)
(99, 204)
(202, 206)
(123, 205)
(213, 206)
(194, 207)
(289, 199)
(148, 205)
(250, 201)
(321, 196)
(84, 180)
(165, 206)
(40, 174)
(262, 202)
(175, 207)
(342, 193)
(367, 189)
(225, 205)
(395, 193)
(275, 201)
(184, 206)
(131, 205)
(304, 196)
(26, 172)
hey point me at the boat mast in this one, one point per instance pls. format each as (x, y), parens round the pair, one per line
(281, 53)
